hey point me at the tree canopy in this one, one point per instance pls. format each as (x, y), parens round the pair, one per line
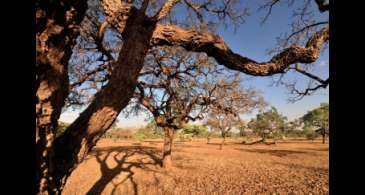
(270, 120)
(318, 119)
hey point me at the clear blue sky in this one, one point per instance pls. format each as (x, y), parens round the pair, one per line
(252, 40)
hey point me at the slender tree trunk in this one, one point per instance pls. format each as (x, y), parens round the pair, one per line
(223, 141)
(55, 37)
(208, 140)
(264, 137)
(274, 139)
(167, 147)
(323, 138)
(73, 146)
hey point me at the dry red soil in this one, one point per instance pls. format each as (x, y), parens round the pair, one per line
(131, 167)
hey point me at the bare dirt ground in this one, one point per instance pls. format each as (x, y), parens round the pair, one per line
(131, 167)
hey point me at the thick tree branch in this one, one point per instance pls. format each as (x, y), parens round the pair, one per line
(79, 138)
(215, 46)
(57, 27)
(165, 10)
(117, 13)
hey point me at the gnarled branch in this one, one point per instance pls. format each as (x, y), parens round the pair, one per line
(215, 46)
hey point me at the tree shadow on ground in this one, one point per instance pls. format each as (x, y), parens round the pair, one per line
(316, 149)
(150, 156)
(300, 141)
(212, 143)
(322, 170)
(187, 146)
(273, 152)
(153, 141)
(226, 143)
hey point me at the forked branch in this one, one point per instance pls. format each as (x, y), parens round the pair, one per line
(215, 46)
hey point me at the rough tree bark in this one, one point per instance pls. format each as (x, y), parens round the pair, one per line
(72, 147)
(167, 147)
(215, 46)
(55, 36)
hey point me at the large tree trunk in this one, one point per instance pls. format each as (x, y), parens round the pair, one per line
(167, 147)
(55, 38)
(73, 146)
(50, 95)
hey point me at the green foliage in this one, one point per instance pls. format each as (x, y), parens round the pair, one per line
(311, 135)
(62, 126)
(184, 137)
(118, 134)
(270, 120)
(195, 130)
(148, 133)
(140, 136)
(242, 133)
(157, 131)
(295, 133)
(151, 131)
(318, 118)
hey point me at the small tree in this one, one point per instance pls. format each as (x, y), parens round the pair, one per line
(318, 118)
(268, 122)
(222, 123)
(230, 103)
(242, 129)
(177, 87)
(311, 135)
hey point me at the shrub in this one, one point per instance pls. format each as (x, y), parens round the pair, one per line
(295, 133)
(311, 135)
(148, 133)
(118, 133)
(139, 136)
(185, 137)
(195, 130)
